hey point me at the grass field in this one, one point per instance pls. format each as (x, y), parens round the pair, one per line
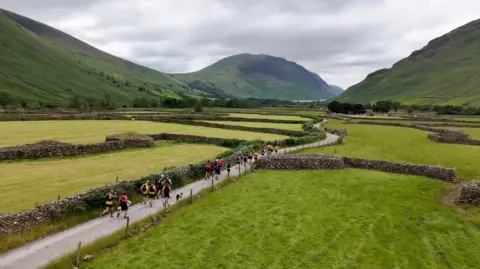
(261, 116)
(404, 145)
(474, 133)
(77, 131)
(309, 219)
(285, 126)
(25, 183)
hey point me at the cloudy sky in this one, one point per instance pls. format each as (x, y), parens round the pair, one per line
(341, 40)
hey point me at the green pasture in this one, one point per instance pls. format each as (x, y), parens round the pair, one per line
(309, 219)
(474, 133)
(403, 145)
(26, 183)
(264, 116)
(285, 126)
(91, 131)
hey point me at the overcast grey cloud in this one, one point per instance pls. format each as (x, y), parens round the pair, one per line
(341, 40)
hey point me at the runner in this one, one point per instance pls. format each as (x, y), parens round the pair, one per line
(250, 157)
(239, 160)
(109, 202)
(161, 182)
(168, 181)
(218, 167)
(124, 203)
(166, 195)
(229, 166)
(255, 156)
(245, 158)
(263, 152)
(276, 149)
(144, 191)
(152, 189)
(207, 169)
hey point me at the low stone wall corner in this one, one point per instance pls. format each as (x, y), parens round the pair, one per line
(470, 193)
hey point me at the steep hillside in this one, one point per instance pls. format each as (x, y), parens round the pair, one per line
(335, 90)
(446, 71)
(261, 76)
(42, 64)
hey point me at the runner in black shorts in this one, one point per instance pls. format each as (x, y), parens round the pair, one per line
(152, 189)
(166, 194)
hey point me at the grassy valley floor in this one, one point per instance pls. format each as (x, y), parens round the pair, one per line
(403, 145)
(93, 131)
(309, 219)
(284, 126)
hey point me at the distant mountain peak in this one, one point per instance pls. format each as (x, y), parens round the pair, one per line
(263, 76)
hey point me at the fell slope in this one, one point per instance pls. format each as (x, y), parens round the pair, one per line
(446, 71)
(261, 76)
(41, 63)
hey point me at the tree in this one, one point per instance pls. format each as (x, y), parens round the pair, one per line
(359, 109)
(75, 102)
(335, 106)
(396, 105)
(141, 103)
(24, 103)
(198, 106)
(5, 99)
(410, 109)
(383, 106)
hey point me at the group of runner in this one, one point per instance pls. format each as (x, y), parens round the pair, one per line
(214, 168)
(149, 188)
(149, 193)
(124, 203)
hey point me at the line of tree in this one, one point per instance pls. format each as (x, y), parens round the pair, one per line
(346, 108)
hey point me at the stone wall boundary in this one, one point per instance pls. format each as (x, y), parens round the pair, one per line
(328, 161)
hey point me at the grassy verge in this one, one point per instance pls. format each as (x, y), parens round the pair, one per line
(402, 145)
(308, 219)
(85, 131)
(102, 244)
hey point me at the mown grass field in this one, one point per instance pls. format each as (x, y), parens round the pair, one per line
(262, 116)
(474, 133)
(309, 219)
(285, 126)
(26, 183)
(79, 131)
(403, 145)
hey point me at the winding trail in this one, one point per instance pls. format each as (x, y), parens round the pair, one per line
(38, 253)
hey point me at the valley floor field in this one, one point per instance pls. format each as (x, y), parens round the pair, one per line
(262, 116)
(26, 183)
(403, 145)
(93, 131)
(285, 126)
(309, 219)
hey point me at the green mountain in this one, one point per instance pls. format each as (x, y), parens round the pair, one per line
(42, 64)
(446, 71)
(261, 76)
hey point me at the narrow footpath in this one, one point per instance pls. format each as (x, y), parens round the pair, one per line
(38, 253)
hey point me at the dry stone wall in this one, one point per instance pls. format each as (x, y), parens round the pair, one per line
(470, 193)
(30, 117)
(49, 148)
(326, 161)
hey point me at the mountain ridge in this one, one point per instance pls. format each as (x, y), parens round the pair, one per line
(443, 72)
(262, 76)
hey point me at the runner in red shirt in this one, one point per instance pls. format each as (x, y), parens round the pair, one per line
(207, 169)
(123, 205)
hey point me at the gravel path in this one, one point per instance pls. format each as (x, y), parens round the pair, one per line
(40, 252)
